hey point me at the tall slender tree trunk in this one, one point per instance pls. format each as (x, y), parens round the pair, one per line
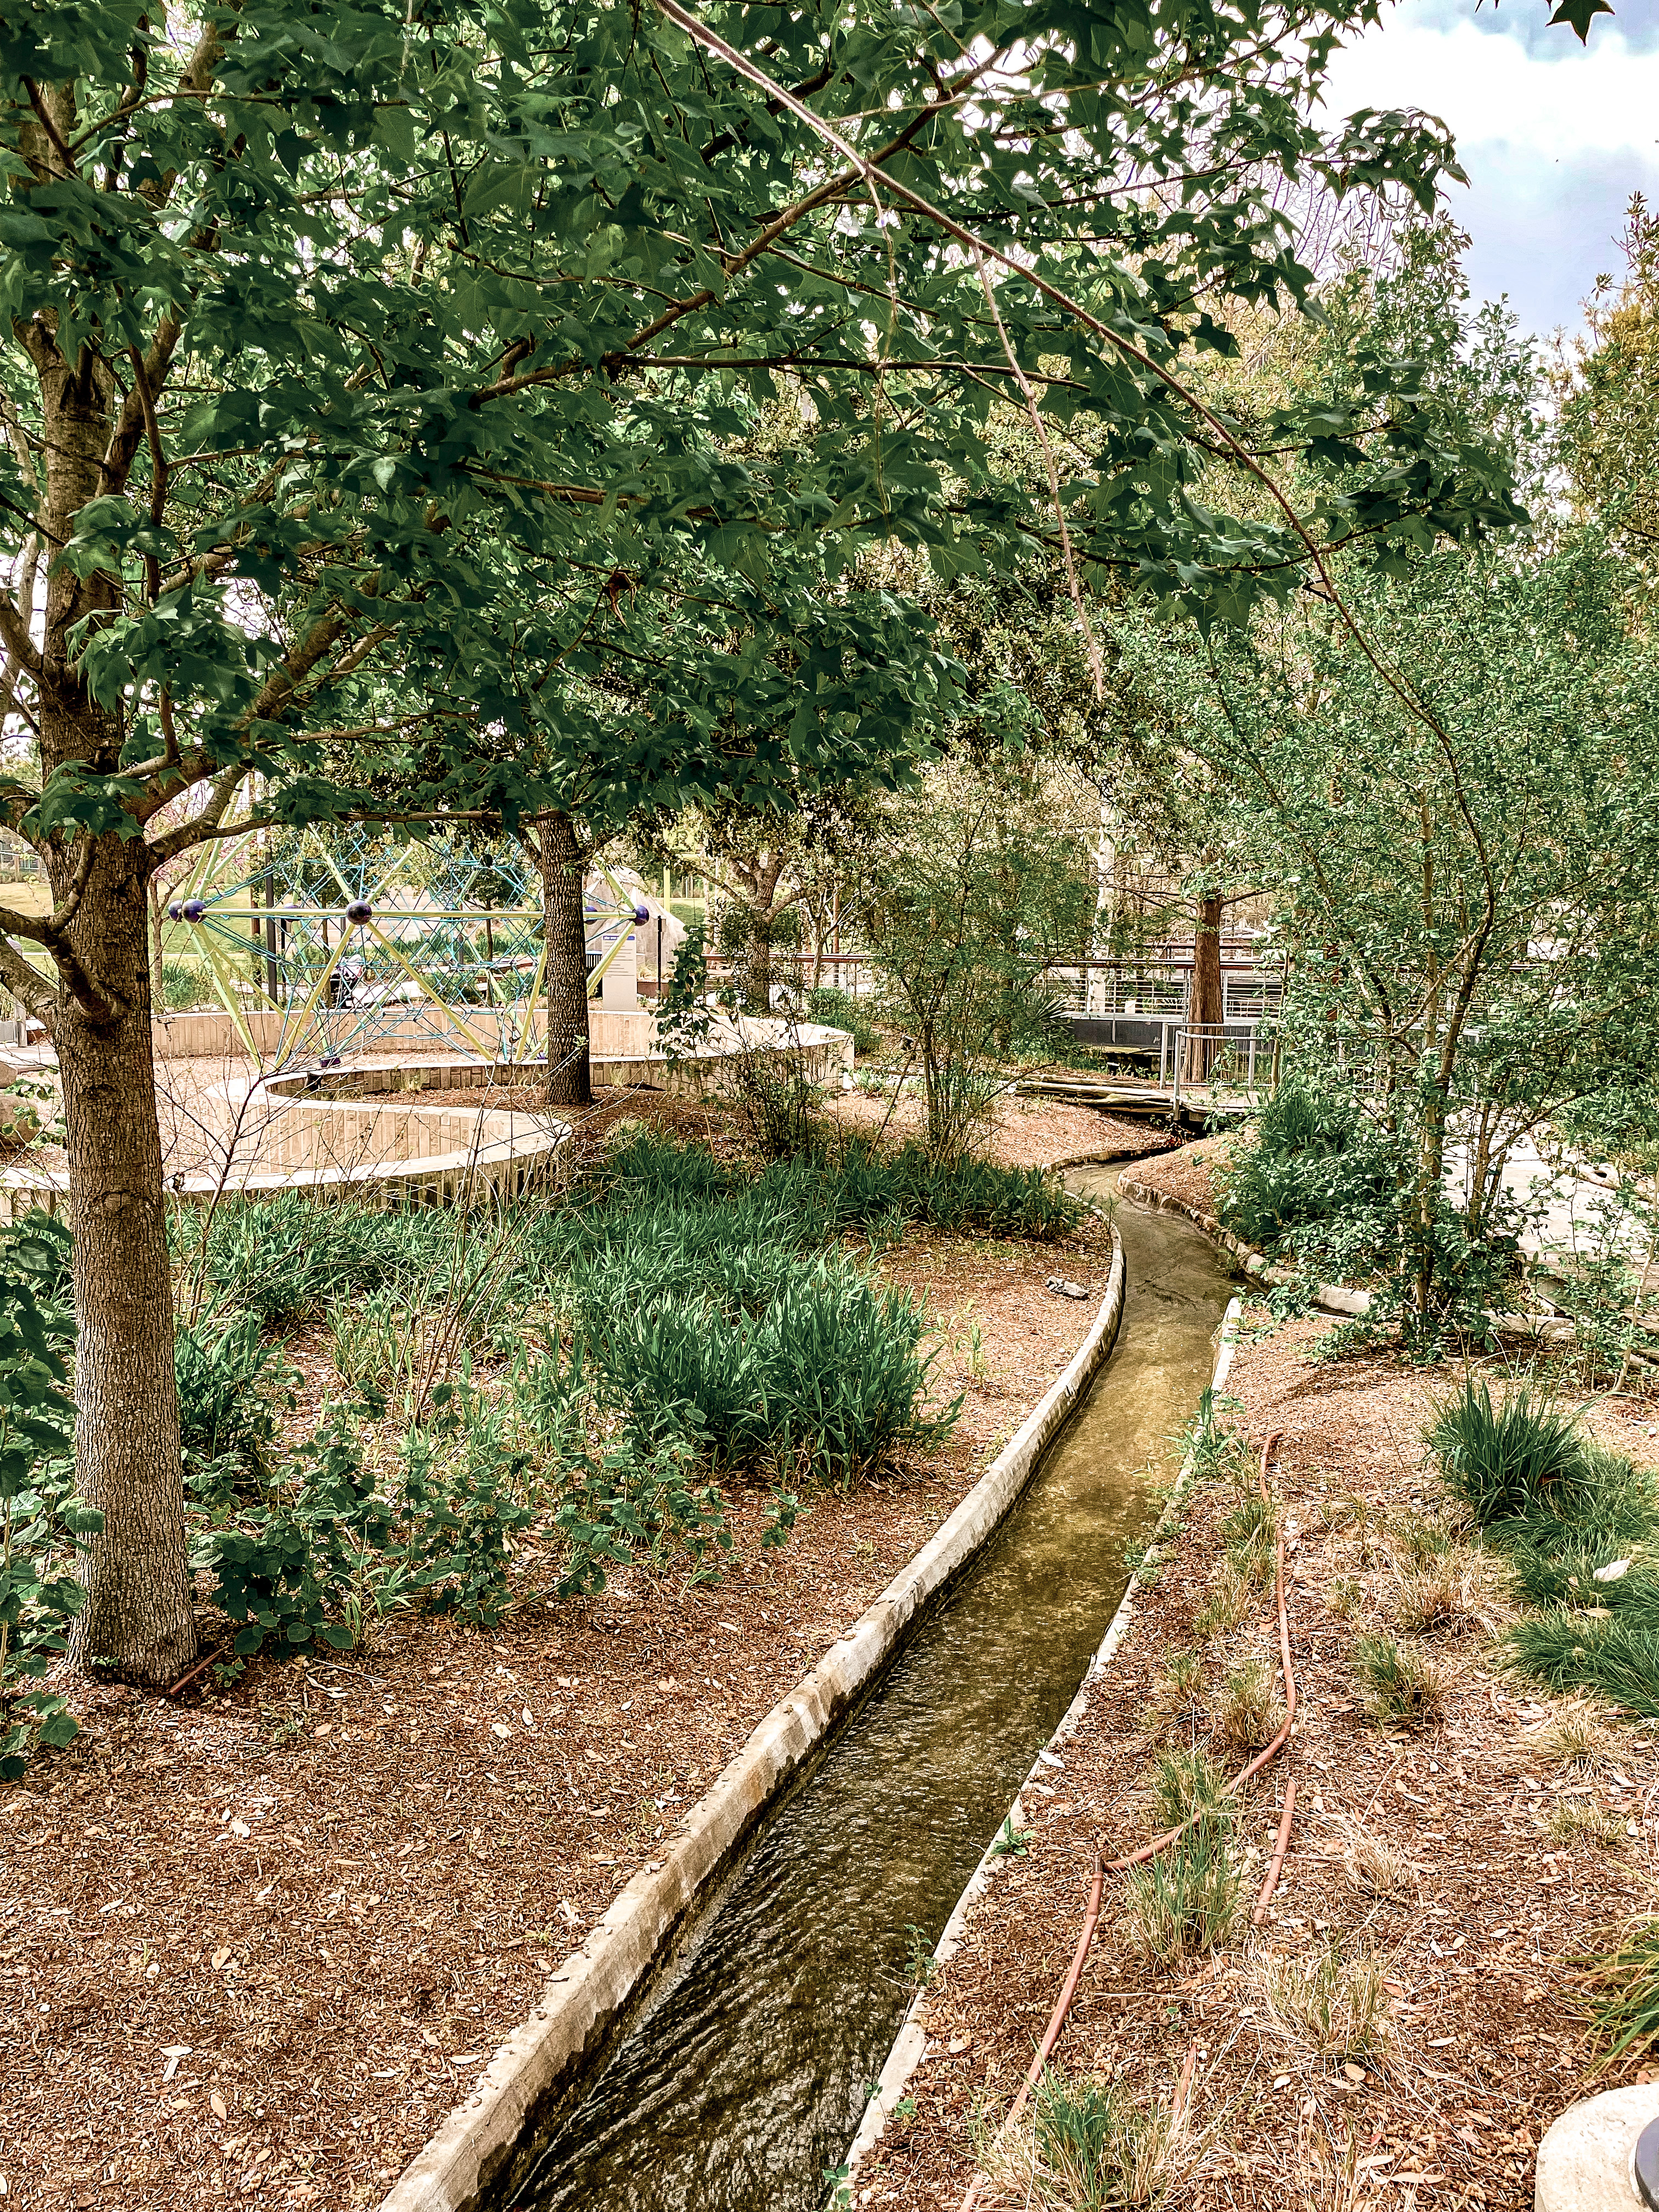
(138, 1619)
(569, 1077)
(1204, 1006)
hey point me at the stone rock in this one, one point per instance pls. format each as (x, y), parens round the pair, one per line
(20, 1120)
(1584, 2160)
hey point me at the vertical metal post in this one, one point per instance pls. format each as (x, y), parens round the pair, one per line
(1249, 1076)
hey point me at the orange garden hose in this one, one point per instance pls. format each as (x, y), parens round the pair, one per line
(1091, 1913)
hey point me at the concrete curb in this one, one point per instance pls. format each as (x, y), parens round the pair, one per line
(910, 2045)
(487, 2146)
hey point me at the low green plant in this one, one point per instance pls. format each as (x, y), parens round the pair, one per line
(42, 1525)
(1187, 1900)
(1011, 1843)
(1624, 1984)
(1317, 1172)
(920, 1964)
(372, 1341)
(839, 1010)
(1092, 2148)
(1401, 1685)
(231, 1385)
(1217, 1449)
(1338, 2005)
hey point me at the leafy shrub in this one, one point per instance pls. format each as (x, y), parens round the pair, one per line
(286, 1564)
(462, 1502)
(41, 1524)
(227, 1379)
(777, 1102)
(839, 1010)
(324, 1552)
(184, 984)
(1316, 1161)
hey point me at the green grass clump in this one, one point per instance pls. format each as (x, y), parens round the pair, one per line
(1626, 1983)
(1186, 1900)
(1402, 1685)
(1562, 1507)
(1095, 2149)
(1187, 1783)
(1527, 1473)
(1567, 1651)
(1249, 1535)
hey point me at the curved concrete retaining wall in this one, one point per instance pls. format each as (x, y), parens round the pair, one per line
(1336, 1298)
(486, 2148)
(910, 2045)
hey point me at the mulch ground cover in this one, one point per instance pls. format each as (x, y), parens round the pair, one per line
(1467, 1865)
(256, 1940)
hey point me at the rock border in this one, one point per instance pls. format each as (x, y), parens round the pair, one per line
(488, 2146)
(910, 2045)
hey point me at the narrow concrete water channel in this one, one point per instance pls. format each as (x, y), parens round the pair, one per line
(744, 2078)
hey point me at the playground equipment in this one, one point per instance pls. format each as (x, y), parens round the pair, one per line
(343, 943)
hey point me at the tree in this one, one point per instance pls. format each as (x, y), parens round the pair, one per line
(313, 330)
(973, 890)
(1609, 394)
(1465, 910)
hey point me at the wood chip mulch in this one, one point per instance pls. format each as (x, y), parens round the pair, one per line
(256, 1941)
(1501, 1862)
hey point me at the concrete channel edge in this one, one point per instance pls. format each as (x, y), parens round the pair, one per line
(910, 2045)
(475, 2159)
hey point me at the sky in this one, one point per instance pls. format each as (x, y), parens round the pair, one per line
(1554, 136)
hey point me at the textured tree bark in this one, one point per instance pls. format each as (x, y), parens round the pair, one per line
(138, 1620)
(1204, 1010)
(569, 1080)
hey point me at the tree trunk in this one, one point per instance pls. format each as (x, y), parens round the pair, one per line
(137, 1620)
(1204, 1006)
(569, 1081)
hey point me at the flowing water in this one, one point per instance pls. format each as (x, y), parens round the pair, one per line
(744, 2078)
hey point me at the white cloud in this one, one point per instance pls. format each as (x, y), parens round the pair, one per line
(1554, 136)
